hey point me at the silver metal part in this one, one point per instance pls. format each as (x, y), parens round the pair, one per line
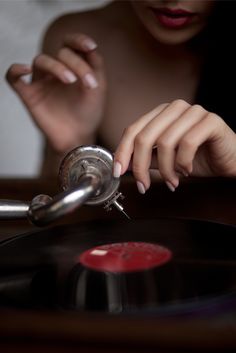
(94, 160)
(44, 210)
(86, 178)
(113, 201)
(13, 209)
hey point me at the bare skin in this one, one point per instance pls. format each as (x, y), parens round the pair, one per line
(123, 43)
(178, 139)
(99, 72)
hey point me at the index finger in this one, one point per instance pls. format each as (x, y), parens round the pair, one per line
(86, 45)
(124, 151)
(81, 42)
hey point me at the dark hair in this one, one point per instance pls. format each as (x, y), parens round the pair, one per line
(216, 90)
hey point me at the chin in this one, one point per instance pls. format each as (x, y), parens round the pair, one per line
(173, 40)
(177, 37)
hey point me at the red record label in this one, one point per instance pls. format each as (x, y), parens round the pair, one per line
(125, 257)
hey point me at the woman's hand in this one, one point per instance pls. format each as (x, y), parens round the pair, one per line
(184, 139)
(67, 94)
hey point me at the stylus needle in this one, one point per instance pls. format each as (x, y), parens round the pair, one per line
(120, 208)
(124, 213)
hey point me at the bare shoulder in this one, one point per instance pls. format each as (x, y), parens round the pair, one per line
(98, 24)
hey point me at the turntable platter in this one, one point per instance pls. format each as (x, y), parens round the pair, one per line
(44, 269)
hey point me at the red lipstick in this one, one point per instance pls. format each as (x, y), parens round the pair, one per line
(173, 18)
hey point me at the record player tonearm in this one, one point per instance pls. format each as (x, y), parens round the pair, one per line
(85, 176)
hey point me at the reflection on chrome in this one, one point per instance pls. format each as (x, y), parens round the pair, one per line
(86, 177)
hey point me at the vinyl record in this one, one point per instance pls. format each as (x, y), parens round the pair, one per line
(142, 267)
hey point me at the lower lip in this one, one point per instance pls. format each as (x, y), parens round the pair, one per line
(173, 22)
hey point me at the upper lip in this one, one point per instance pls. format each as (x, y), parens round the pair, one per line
(173, 12)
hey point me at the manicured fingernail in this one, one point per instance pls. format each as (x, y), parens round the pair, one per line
(117, 170)
(89, 44)
(183, 172)
(141, 187)
(70, 76)
(90, 81)
(170, 186)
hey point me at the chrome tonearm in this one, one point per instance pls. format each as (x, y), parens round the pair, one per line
(86, 178)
